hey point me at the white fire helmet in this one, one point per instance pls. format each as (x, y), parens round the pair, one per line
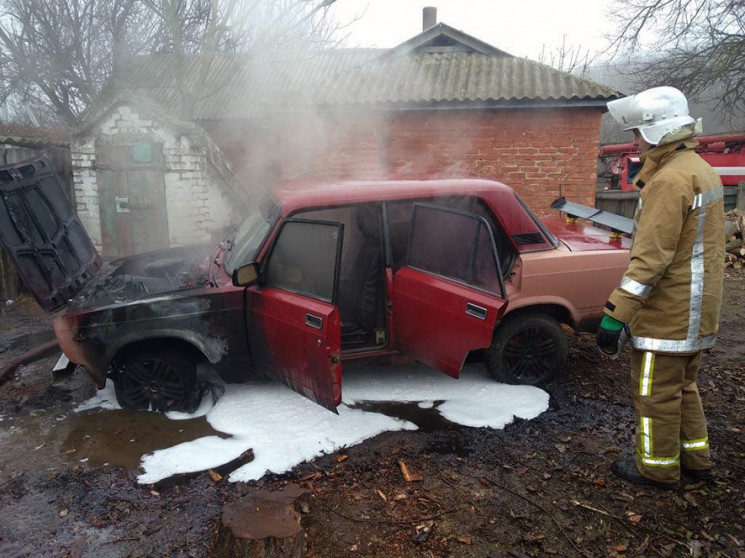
(655, 113)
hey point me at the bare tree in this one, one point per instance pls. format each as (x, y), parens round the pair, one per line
(196, 31)
(567, 58)
(699, 45)
(56, 56)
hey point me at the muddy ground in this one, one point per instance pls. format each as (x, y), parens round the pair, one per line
(537, 488)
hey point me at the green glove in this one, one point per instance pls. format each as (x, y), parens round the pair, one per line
(610, 323)
(608, 336)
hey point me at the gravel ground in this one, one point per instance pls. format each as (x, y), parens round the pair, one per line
(537, 488)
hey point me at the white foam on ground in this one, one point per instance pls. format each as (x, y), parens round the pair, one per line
(284, 429)
(474, 399)
(105, 399)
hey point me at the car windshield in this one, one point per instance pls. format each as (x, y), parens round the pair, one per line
(243, 246)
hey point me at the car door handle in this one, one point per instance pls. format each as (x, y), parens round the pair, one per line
(315, 322)
(476, 311)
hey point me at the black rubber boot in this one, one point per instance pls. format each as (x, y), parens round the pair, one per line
(627, 470)
(699, 474)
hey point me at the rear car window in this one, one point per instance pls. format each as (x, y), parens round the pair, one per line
(455, 245)
(399, 215)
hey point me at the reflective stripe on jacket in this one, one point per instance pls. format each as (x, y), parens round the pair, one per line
(671, 292)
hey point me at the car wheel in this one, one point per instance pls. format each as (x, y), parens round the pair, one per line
(155, 380)
(528, 349)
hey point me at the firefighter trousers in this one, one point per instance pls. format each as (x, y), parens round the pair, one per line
(671, 427)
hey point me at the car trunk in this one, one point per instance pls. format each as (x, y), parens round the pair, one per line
(579, 236)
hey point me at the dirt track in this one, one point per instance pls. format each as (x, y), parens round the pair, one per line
(537, 488)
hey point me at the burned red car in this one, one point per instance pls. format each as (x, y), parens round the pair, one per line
(322, 272)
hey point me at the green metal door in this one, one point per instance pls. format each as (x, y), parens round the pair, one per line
(132, 200)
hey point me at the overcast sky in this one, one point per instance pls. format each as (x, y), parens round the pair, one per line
(520, 28)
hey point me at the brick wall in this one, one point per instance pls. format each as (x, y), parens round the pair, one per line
(83, 156)
(542, 153)
(195, 192)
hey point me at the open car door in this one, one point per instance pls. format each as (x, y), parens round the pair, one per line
(449, 295)
(293, 320)
(39, 230)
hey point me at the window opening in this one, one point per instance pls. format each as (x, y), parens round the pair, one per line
(362, 295)
(399, 215)
(455, 245)
(304, 259)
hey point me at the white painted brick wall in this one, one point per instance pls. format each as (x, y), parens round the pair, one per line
(82, 152)
(195, 202)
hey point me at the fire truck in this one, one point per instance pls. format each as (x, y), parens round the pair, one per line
(619, 163)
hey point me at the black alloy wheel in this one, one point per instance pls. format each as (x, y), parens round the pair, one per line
(528, 349)
(159, 380)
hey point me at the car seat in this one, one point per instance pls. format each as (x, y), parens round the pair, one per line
(359, 297)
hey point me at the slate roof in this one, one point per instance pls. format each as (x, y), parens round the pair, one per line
(439, 67)
(30, 136)
(146, 106)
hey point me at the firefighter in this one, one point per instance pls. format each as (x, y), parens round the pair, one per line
(671, 292)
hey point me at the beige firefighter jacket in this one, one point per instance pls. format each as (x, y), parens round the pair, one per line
(671, 292)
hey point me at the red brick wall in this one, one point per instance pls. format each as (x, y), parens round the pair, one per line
(542, 153)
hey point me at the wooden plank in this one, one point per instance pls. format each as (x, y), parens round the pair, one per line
(622, 203)
(625, 202)
(147, 210)
(147, 198)
(106, 210)
(730, 196)
(122, 219)
(617, 195)
(10, 286)
(133, 173)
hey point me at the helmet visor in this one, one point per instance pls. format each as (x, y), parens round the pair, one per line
(629, 114)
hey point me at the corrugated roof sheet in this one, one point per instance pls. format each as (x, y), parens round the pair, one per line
(254, 86)
(15, 134)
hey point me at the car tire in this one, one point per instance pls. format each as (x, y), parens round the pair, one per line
(528, 349)
(152, 379)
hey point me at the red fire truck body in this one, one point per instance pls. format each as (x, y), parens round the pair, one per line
(620, 163)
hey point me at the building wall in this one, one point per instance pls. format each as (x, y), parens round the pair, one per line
(542, 153)
(196, 202)
(83, 155)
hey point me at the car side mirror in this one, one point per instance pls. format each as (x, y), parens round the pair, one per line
(246, 275)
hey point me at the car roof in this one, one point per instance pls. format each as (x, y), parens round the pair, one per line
(301, 193)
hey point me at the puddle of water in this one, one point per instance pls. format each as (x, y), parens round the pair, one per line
(30, 442)
(223, 470)
(120, 438)
(427, 419)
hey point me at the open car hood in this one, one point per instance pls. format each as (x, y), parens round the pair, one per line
(151, 273)
(42, 234)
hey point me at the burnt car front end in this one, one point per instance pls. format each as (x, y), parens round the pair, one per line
(144, 320)
(169, 296)
(147, 320)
